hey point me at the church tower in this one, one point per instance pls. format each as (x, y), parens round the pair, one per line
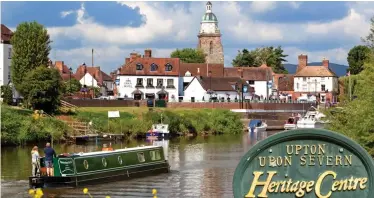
(210, 37)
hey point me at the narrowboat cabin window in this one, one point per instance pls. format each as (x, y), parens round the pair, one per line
(141, 157)
(85, 164)
(120, 160)
(104, 162)
(155, 155)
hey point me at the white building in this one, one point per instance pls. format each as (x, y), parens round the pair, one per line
(259, 78)
(318, 81)
(201, 89)
(148, 77)
(6, 52)
(95, 77)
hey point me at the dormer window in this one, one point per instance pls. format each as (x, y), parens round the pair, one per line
(139, 66)
(154, 67)
(168, 67)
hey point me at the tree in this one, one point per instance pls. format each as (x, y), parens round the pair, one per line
(244, 59)
(369, 39)
(272, 57)
(357, 57)
(189, 55)
(74, 84)
(43, 89)
(31, 47)
(356, 120)
(7, 94)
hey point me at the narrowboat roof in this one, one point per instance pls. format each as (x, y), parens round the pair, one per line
(117, 150)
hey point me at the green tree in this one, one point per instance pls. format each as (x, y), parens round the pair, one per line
(272, 57)
(244, 58)
(7, 94)
(31, 47)
(356, 58)
(354, 120)
(43, 89)
(72, 86)
(189, 55)
(369, 39)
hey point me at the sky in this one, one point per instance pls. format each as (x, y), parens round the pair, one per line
(115, 29)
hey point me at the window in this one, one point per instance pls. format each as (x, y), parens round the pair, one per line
(251, 82)
(322, 78)
(211, 47)
(139, 66)
(170, 83)
(155, 155)
(141, 157)
(139, 82)
(304, 87)
(9, 75)
(160, 83)
(85, 164)
(168, 67)
(304, 78)
(323, 87)
(154, 67)
(119, 160)
(297, 86)
(150, 82)
(10, 53)
(322, 98)
(103, 160)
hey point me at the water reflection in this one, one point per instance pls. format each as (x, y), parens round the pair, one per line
(200, 167)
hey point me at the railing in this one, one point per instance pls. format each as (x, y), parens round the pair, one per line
(68, 105)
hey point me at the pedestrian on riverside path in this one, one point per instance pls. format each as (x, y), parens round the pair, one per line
(49, 154)
(35, 161)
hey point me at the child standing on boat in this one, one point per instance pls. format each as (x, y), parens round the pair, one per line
(35, 161)
(49, 154)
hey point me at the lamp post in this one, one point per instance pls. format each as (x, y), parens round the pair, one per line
(70, 69)
(84, 80)
(210, 85)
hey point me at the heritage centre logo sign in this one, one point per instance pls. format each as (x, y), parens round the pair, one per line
(305, 163)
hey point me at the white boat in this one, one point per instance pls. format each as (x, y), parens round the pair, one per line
(256, 126)
(291, 123)
(160, 130)
(312, 119)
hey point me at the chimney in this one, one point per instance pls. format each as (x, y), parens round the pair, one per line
(127, 60)
(240, 72)
(133, 56)
(303, 61)
(325, 63)
(138, 55)
(148, 53)
(59, 65)
(198, 71)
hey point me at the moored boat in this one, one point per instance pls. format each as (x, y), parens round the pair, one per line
(312, 119)
(158, 131)
(256, 126)
(72, 170)
(291, 123)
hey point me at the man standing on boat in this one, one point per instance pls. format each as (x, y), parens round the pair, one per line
(49, 154)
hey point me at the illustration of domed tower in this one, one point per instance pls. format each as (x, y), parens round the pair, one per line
(210, 37)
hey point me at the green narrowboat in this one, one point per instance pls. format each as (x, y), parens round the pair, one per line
(73, 170)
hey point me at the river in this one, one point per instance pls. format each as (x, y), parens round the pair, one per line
(200, 167)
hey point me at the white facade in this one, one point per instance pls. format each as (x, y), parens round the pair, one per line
(261, 89)
(6, 53)
(199, 94)
(183, 82)
(88, 80)
(126, 85)
(315, 84)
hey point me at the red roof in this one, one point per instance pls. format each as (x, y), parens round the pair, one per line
(149, 66)
(262, 73)
(201, 69)
(95, 72)
(6, 34)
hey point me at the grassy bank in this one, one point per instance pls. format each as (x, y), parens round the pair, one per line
(19, 126)
(136, 121)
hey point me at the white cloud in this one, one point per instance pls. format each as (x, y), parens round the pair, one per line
(180, 23)
(262, 6)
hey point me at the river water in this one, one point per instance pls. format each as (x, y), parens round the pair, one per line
(200, 167)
